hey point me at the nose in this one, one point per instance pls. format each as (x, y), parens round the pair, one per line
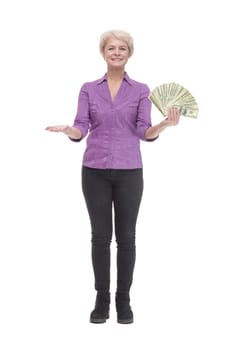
(117, 51)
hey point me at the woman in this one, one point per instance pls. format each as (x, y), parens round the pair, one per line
(116, 111)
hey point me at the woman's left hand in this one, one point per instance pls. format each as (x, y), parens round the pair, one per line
(173, 117)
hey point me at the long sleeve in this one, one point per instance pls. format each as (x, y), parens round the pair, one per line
(144, 114)
(82, 118)
(143, 121)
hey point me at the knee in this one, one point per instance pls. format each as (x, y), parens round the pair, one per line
(127, 242)
(101, 239)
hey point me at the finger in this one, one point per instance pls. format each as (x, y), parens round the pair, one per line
(50, 128)
(53, 128)
(173, 115)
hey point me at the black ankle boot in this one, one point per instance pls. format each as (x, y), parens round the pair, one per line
(101, 311)
(124, 311)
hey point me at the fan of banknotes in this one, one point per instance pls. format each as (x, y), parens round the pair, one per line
(174, 95)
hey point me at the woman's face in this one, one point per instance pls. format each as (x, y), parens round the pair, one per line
(116, 53)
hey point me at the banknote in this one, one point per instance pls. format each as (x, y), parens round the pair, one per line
(170, 95)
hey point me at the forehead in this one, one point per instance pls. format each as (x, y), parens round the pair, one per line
(115, 42)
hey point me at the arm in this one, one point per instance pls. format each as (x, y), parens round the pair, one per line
(172, 119)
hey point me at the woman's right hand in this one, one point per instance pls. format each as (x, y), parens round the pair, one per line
(73, 133)
(60, 128)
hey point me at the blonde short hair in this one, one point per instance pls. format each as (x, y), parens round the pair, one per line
(118, 34)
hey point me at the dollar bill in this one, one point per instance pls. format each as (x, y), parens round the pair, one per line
(170, 95)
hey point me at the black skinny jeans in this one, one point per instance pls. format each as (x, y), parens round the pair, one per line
(105, 189)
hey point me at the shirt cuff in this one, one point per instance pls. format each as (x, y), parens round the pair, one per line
(75, 140)
(150, 140)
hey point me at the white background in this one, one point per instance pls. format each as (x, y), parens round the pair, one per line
(182, 291)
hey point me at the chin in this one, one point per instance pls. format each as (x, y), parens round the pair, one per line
(117, 65)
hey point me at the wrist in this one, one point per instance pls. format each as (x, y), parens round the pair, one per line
(68, 130)
(163, 124)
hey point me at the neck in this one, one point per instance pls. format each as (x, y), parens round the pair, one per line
(115, 74)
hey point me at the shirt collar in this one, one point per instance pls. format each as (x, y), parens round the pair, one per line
(104, 78)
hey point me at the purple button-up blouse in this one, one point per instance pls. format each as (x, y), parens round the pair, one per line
(115, 127)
